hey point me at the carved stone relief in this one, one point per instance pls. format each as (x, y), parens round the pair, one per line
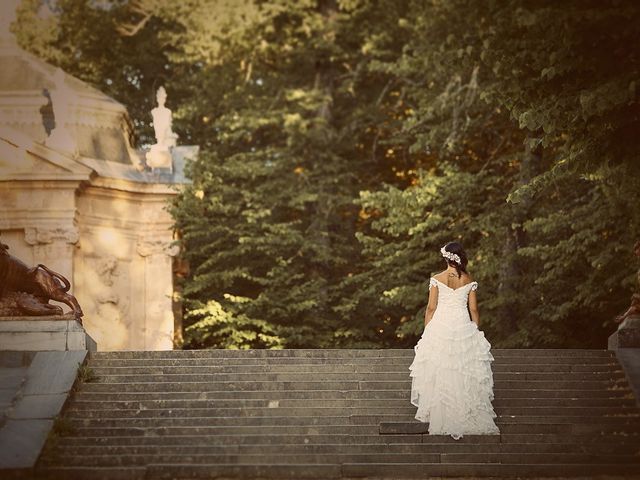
(41, 236)
(148, 246)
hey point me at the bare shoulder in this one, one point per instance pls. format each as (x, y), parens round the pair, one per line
(442, 276)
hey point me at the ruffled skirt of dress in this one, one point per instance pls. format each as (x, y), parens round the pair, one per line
(452, 381)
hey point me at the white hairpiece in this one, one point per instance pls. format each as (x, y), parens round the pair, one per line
(450, 256)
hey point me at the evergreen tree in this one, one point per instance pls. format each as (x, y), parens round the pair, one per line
(344, 141)
(562, 109)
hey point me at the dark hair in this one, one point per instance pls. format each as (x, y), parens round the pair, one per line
(456, 248)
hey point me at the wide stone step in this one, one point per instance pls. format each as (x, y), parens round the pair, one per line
(341, 458)
(258, 418)
(348, 439)
(617, 447)
(566, 425)
(312, 411)
(239, 413)
(272, 430)
(520, 426)
(373, 364)
(195, 438)
(109, 367)
(252, 385)
(286, 353)
(354, 470)
(108, 394)
(400, 423)
(340, 353)
(92, 473)
(317, 395)
(76, 406)
(588, 411)
(402, 362)
(417, 470)
(606, 377)
(393, 363)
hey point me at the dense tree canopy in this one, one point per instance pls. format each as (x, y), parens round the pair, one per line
(344, 141)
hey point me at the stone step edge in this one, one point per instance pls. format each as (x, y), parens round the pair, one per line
(359, 376)
(344, 471)
(617, 393)
(398, 383)
(248, 446)
(523, 419)
(383, 440)
(509, 458)
(360, 350)
(418, 428)
(624, 411)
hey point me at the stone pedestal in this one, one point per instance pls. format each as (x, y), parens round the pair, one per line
(44, 334)
(626, 343)
(159, 157)
(627, 335)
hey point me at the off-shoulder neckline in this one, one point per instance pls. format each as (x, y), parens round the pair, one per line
(454, 289)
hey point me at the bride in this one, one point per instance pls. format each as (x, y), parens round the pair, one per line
(452, 382)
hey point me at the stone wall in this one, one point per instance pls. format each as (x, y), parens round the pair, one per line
(111, 237)
(124, 268)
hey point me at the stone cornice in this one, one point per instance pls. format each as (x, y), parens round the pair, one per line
(62, 182)
(134, 187)
(42, 177)
(68, 166)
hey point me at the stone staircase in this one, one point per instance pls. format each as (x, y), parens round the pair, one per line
(337, 414)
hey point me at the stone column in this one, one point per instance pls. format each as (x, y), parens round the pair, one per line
(54, 247)
(158, 291)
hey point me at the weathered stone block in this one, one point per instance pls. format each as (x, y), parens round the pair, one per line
(21, 442)
(53, 372)
(45, 406)
(627, 335)
(44, 333)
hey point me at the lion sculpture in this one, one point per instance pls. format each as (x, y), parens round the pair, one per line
(27, 291)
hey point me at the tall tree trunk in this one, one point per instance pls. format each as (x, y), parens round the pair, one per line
(319, 227)
(509, 278)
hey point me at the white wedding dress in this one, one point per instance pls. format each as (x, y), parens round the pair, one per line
(452, 382)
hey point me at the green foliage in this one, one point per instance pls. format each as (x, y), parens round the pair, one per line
(86, 374)
(344, 142)
(542, 96)
(269, 223)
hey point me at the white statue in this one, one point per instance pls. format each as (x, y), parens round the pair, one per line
(159, 156)
(62, 101)
(162, 121)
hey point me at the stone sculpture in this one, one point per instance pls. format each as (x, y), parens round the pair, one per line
(26, 291)
(62, 99)
(159, 156)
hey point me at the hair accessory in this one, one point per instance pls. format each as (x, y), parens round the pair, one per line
(450, 256)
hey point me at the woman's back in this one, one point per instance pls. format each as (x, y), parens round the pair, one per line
(452, 280)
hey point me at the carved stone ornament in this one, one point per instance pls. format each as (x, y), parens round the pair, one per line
(151, 246)
(41, 236)
(27, 291)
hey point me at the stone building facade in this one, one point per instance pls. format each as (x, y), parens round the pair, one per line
(74, 196)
